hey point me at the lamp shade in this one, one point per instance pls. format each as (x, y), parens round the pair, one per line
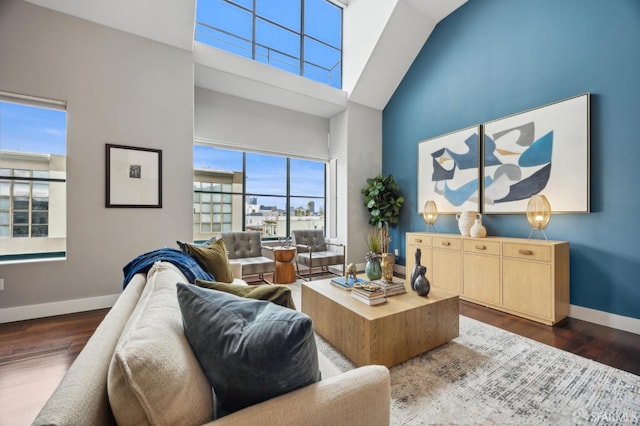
(538, 212)
(430, 212)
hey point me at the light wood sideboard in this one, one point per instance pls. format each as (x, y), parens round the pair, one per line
(528, 278)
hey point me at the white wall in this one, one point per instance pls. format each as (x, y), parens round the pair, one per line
(357, 144)
(128, 90)
(119, 89)
(250, 125)
(363, 23)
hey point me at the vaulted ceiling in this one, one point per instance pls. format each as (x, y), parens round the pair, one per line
(381, 38)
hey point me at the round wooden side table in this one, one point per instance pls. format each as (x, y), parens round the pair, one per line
(285, 272)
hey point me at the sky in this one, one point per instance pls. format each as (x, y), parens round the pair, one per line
(26, 128)
(266, 174)
(234, 32)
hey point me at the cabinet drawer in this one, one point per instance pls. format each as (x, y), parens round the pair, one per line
(446, 242)
(484, 247)
(527, 251)
(419, 240)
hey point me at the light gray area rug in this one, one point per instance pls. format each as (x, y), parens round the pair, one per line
(491, 376)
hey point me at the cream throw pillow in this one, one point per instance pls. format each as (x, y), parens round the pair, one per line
(154, 377)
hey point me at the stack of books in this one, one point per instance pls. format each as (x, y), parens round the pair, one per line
(370, 294)
(344, 284)
(391, 289)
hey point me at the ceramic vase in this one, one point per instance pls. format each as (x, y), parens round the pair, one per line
(422, 284)
(373, 270)
(465, 222)
(414, 273)
(478, 230)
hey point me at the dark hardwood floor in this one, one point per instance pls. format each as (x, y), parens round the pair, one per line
(35, 354)
(619, 349)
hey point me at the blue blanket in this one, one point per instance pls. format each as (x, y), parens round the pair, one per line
(187, 265)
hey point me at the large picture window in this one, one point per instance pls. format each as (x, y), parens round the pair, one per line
(32, 177)
(300, 36)
(236, 191)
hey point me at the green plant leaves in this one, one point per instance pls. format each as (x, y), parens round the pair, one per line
(383, 201)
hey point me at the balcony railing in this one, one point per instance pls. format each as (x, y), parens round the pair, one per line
(251, 49)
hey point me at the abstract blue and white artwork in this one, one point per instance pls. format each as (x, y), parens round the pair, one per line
(449, 171)
(540, 151)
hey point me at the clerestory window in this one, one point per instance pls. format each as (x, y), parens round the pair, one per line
(300, 36)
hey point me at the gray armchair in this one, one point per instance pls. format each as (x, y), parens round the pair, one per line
(245, 248)
(313, 252)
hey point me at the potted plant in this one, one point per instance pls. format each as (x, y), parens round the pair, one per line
(383, 201)
(374, 239)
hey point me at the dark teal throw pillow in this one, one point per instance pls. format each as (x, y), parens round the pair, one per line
(250, 350)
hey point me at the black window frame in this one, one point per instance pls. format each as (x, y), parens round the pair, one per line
(287, 196)
(302, 35)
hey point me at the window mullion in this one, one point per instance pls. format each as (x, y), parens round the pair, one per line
(244, 186)
(302, 35)
(287, 204)
(253, 34)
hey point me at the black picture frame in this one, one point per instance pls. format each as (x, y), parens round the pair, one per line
(133, 177)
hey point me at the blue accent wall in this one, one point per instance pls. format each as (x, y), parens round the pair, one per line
(493, 58)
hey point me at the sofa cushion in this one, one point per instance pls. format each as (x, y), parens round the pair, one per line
(250, 350)
(213, 258)
(154, 377)
(278, 294)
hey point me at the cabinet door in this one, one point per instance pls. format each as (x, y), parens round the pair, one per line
(526, 287)
(446, 270)
(481, 278)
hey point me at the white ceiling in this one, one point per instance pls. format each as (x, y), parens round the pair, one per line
(390, 48)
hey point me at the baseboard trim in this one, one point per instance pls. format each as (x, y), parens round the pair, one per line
(21, 313)
(619, 322)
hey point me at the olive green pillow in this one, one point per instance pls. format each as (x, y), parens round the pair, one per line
(278, 294)
(213, 259)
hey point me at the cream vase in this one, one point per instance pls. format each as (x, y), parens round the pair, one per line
(465, 222)
(478, 230)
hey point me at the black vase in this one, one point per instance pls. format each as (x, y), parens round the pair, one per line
(414, 273)
(422, 285)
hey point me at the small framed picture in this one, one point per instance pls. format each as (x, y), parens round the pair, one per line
(133, 177)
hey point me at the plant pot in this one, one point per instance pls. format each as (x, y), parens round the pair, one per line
(373, 270)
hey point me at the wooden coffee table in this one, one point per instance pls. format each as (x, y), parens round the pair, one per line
(387, 334)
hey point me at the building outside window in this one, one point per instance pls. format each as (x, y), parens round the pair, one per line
(213, 194)
(32, 177)
(300, 36)
(271, 194)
